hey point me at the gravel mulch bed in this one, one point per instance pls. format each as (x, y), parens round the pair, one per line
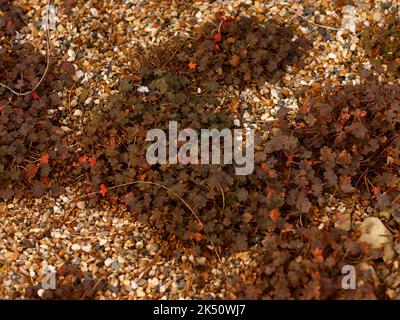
(101, 39)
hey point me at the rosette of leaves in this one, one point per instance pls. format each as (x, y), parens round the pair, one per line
(30, 136)
(382, 44)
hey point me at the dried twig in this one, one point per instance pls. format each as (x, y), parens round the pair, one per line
(172, 55)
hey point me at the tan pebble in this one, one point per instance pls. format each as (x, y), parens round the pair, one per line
(269, 103)
(102, 271)
(377, 16)
(316, 86)
(81, 205)
(87, 248)
(308, 78)
(114, 282)
(140, 293)
(286, 91)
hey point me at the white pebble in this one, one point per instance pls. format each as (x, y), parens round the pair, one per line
(331, 55)
(134, 285)
(71, 55)
(78, 113)
(94, 12)
(265, 116)
(87, 248)
(75, 247)
(143, 89)
(139, 245)
(65, 199)
(108, 262)
(274, 93)
(65, 128)
(80, 74)
(270, 119)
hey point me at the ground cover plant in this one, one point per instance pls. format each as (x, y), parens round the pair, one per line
(233, 50)
(381, 44)
(306, 264)
(343, 142)
(12, 18)
(31, 135)
(232, 210)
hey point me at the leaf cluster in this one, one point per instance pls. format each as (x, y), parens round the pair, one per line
(11, 18)
(307, 264)
(344, 141)
(238, 51)
(382, 45)
(30, 126)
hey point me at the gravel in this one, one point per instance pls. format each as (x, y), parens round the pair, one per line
(99, 37)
